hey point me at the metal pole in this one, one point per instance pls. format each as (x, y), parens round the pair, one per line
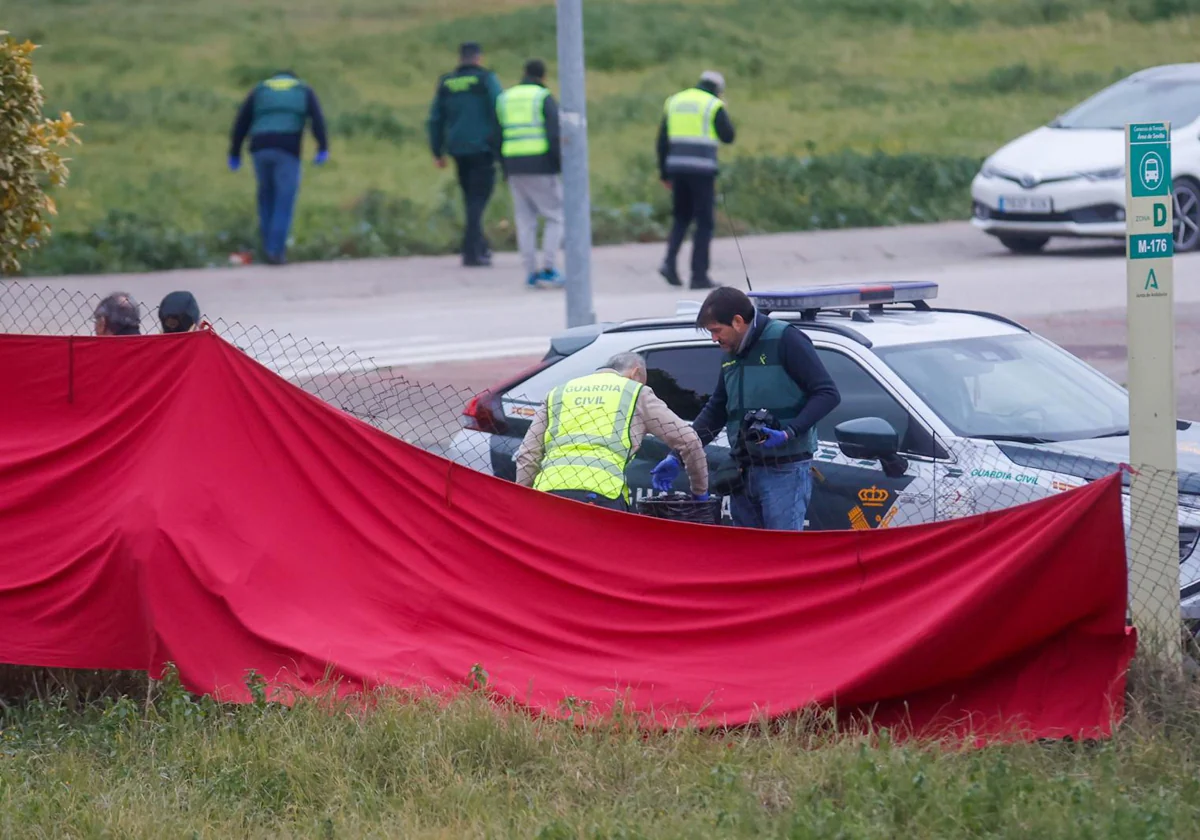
(577, 205)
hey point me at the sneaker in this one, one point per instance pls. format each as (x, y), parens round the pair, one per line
(533, 281)
(550, 278)
(669, 274)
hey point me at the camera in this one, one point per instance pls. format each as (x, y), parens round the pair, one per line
(757, 422)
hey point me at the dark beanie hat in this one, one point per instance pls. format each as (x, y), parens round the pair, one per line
(178, 312)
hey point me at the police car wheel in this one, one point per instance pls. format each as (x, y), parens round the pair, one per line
(1024, 244)
(1187, 215)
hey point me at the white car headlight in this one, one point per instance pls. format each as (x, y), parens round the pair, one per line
(1105, 174)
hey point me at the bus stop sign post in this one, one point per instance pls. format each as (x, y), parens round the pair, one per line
(1154, 489)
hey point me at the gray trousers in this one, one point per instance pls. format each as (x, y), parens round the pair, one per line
(533, 196)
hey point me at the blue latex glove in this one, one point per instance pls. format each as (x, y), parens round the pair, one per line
(664, 474)
(775, 438)
(700, 497)
(235, 163)
(321, 157)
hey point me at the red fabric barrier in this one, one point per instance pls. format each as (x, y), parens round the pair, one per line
(167, 499)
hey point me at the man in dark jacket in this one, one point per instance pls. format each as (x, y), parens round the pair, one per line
(770, 365)
(694, 120)
(274, 114)
(532, 160)
(462, 122)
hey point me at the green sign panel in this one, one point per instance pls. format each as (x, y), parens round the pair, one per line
(1145, 246)
(1149, 160)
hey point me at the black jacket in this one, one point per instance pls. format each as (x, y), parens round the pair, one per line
(551, 162)
(722, 123)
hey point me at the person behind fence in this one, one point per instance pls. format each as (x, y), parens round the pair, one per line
(588, 429)
(532, 160)
(693, 122)
(274, 115)
(118, 314)
(179, 312)
(772, 391)
(462, 123)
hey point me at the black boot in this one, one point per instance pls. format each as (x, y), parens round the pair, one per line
(669, 274)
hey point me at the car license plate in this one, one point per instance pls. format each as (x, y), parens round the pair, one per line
(1025, 204)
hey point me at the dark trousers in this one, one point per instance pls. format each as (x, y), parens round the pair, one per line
(592, 499)
(477, 178)
(692, 199)
(278, 175)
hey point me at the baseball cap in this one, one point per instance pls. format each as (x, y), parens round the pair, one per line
(178, 312)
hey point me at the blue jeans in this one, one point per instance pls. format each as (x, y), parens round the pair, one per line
(278, 174)
(775, 498)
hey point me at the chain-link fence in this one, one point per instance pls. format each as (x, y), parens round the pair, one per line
(873, 462)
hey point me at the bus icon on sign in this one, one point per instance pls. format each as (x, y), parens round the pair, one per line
(1152, 173)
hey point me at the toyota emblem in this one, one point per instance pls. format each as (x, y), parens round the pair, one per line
(1028, 181)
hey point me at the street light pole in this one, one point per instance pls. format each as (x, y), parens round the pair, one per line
(577, 210)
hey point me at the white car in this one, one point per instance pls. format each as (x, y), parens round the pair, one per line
(944, 412)
(1068, 178)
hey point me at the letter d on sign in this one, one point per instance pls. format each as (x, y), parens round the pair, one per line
(1160, 215)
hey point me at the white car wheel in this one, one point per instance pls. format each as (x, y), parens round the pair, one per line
(1187, 215)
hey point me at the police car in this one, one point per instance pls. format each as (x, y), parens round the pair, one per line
(944, 412)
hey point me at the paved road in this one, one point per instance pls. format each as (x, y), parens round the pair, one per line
(426, 309)
(434, 322)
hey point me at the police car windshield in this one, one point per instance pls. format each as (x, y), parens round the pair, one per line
(1011, 387)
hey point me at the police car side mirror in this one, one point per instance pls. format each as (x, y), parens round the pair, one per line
(869, 439)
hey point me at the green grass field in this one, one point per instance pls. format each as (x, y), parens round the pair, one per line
(944, 81)
(416, 769)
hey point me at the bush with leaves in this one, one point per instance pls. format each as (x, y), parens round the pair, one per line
(29, 156)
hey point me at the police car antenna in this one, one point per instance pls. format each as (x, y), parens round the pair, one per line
(733, 230)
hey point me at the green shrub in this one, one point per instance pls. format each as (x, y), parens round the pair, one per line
(847, 189)
(30, 159)
(763, 195)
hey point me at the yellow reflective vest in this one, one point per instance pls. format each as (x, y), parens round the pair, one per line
(523, 122)
(587, 442)
(691, 132)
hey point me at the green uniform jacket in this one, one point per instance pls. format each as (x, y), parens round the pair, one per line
(462, 117)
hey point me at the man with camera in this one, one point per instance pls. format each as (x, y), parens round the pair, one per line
(772, 392)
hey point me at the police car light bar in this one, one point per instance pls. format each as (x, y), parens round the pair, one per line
(831, 297)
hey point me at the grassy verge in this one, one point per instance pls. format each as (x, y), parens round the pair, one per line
(932, 82)
(412, 768)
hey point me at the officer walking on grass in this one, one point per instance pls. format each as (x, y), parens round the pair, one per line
(274, 115)
(462, 123)
(693, 122)
(532, 160)
(768, 365)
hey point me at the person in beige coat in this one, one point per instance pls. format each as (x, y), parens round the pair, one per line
(587, 430)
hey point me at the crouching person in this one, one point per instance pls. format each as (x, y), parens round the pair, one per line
(588, 430)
